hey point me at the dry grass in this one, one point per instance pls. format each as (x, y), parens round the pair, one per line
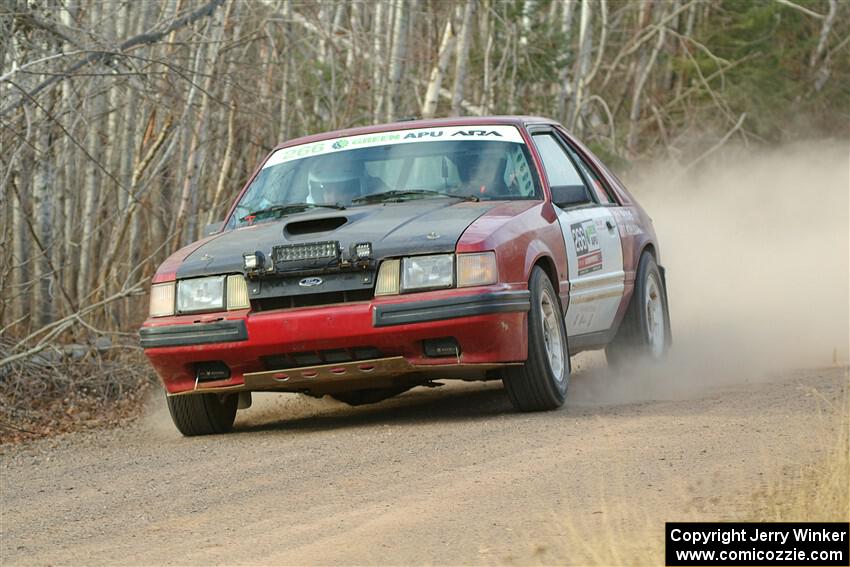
(814, 492)
(56, 392)
(819, 492)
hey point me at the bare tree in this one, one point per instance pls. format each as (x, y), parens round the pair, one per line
(124, 124)
(435, 83)
(398, 57)
(462, 55)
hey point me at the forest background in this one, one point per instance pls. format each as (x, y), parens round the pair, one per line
(127, 126)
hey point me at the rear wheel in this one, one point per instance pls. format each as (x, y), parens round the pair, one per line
(203, 414)
(645, 330)
(541, 383)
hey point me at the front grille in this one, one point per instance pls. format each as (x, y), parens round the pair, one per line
(310, 299)
(317, 357)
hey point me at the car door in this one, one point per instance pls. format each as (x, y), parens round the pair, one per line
(594, 250)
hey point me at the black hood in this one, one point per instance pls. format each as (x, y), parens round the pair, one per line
(422, 226)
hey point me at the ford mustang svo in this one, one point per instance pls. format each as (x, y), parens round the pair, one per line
(361, 263)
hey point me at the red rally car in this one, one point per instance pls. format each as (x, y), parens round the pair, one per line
(364, 262)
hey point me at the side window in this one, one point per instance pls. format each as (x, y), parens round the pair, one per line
(602, 193)
(559, 168)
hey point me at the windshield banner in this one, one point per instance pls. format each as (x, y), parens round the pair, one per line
(499, 133)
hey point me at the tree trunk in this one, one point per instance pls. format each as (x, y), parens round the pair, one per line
(529, 7)
(397, 59)
(92, 178)
(195, 131)
(462, 56)
(565, 87)
(43, 186)
(822, 73)
(585, 45)
(432, 94)
(21, 259)
(377, 62)
(226, 163)
(70, 204)
(643, 71)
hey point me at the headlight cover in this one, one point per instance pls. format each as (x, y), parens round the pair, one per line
(427, 272)
(200, 294)
(388, 277)
(162, 299)
(237, 293)
(476, 269)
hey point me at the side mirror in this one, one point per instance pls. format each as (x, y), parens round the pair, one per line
(213, 228)
(569, 195)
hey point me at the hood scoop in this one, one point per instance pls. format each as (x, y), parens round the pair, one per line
(313, 226)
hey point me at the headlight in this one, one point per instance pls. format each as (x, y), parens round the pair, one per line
(237, 293)
(427, 272)
(476, 269)
(200, 294)
(162, 299)
(417, 273)
(387, 283)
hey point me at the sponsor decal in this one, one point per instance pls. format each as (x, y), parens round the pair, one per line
(417, 135)
(632, 229)
(583, 317)
(623, 214)
(627, 221)
(502, 133)
(481, 133)
(587, 262)
(586, 241)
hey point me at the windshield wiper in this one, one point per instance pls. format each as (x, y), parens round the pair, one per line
(400, 194)
(287, 208)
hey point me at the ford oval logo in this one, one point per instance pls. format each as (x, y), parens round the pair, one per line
(310, 282)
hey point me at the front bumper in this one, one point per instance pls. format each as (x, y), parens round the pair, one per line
(489, 325)
(193, 334)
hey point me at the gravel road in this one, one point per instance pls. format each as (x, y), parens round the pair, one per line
(448, 475)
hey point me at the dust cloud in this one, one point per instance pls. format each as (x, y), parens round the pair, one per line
(757, 252)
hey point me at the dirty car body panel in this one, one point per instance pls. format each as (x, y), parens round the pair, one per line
(313, 262)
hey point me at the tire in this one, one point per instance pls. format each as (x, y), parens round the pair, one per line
(644, 333)
(541, 383)
(203, 414)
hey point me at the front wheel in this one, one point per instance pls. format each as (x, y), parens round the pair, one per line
(203, 414)
(645, 330)
(541, 383)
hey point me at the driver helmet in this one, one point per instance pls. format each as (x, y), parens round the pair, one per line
(335, 181)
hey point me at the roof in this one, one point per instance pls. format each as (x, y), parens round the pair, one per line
(519, 121)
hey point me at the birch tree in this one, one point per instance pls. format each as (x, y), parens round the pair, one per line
(462, 56)
(126, 126)
(435, 82)
(397, 57)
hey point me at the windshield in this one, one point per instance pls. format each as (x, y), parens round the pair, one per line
(474, 163)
